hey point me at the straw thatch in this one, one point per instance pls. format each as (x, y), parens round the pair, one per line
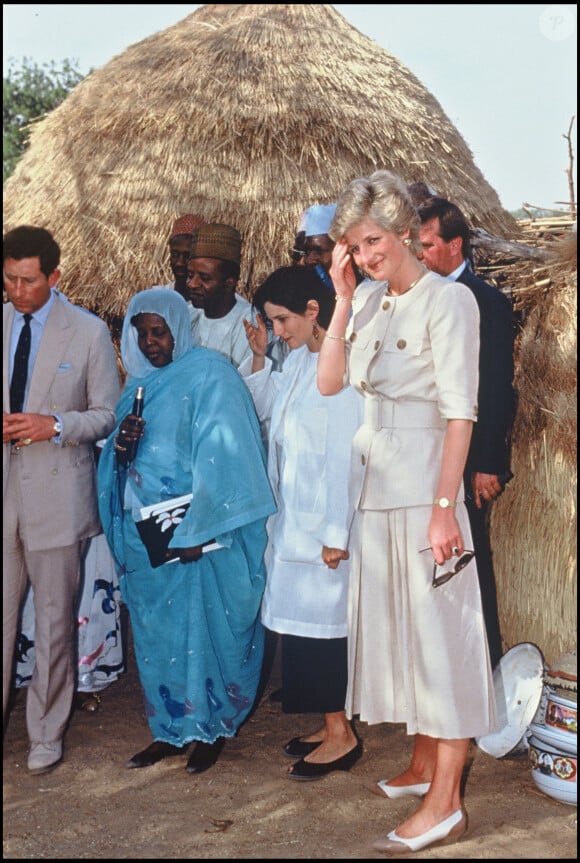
(533, 524)
(245, 114)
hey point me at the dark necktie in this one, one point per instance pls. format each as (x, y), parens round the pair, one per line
(20, 370)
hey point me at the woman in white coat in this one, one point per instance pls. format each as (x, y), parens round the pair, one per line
(307, 566)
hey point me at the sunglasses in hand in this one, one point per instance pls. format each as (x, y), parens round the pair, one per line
(443, 577)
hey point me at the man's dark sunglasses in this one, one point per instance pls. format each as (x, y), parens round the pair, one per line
(297, 254)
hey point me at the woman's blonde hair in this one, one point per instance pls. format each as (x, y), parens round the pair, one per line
(382, 197)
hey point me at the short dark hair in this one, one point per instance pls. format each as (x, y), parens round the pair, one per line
(293, 287)
(27, 241)
(452, 222)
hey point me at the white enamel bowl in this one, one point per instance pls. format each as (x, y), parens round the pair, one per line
(553, 772)
(518, 684)
(560, 740)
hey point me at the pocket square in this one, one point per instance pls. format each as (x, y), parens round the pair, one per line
(64, 367)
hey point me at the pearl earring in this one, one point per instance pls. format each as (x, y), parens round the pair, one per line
(407, 242)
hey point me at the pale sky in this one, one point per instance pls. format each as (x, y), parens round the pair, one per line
(505, 75)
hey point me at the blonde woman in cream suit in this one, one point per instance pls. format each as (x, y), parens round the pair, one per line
(408, 340)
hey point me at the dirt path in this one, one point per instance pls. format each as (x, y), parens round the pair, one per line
(245, 808)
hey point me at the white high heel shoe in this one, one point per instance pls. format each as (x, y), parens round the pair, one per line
(444, 833)
(383, 789)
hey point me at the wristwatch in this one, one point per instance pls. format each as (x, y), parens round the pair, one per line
(444, 502)
(57, 428)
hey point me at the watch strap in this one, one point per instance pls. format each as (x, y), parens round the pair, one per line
(444, 502)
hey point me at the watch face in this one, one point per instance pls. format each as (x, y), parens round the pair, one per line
(444, 502)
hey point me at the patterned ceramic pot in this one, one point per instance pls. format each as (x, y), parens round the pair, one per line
(553, 772)
(562, 714)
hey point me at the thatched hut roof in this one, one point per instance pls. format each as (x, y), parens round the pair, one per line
(245, 114)
(534, 524)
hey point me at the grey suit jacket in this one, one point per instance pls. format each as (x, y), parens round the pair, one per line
(75, 376)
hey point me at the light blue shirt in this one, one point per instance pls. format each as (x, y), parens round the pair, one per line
(37, 322)
(456, 273)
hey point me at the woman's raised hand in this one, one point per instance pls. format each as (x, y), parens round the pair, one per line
(341, 271)
(257, 336)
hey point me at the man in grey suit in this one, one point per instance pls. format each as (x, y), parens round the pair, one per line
(60, 389)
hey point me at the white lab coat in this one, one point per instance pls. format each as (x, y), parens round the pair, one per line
(308, 465)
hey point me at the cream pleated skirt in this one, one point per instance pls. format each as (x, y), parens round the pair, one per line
(417, 655)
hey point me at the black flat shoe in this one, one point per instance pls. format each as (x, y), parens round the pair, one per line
(307, 771)
(156, 751)
(204, 755)
(298, 748)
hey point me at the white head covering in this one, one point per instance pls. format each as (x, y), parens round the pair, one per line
(173, 309)
(316, 219)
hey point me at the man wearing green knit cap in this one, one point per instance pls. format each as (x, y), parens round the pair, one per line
(213, 272)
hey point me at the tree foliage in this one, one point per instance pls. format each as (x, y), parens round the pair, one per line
(30, 91)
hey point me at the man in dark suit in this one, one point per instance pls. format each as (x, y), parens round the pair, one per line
(446, 246)
(60, 389)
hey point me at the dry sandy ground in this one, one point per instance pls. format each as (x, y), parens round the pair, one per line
(245, 807)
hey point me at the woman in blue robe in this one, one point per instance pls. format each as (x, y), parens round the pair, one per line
(195, 620)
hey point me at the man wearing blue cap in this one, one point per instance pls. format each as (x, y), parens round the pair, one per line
(317, 246)
(313, 246)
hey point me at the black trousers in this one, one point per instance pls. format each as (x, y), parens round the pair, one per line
(478, 520)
